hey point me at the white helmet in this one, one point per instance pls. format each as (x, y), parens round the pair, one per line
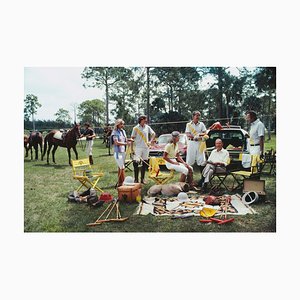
(128, 180)
(182, 196)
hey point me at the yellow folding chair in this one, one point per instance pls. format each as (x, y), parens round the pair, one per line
(128, 158)
(156, 174)
(83, 172)
(253, 172)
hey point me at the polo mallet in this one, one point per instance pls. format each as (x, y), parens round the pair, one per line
(113, 205)
(225, 220)
(81, 144)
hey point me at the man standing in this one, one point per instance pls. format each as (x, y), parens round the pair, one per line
(90, 135)
(217, 162)
(257, 134)
(195, 130)
(140, 134)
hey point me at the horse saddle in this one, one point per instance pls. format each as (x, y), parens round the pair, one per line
(59, 135)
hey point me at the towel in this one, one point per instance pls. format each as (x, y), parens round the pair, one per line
(202, 146)
(154, 167)
(58, 135)
(246, 160)
(255, 161)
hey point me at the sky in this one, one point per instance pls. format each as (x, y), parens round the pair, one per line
(57, 87)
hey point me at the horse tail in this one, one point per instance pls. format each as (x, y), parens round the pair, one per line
(45, 145)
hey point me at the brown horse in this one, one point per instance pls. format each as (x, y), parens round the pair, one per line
(26, 142)
(106, 135)
(68, 141)
(35, 140)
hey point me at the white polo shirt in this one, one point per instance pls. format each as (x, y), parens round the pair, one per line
(221, 156)
(146, 131)
(199, 127)
(257, 129)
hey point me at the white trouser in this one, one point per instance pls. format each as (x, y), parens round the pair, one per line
(208, 172)
(89, 147)
(210, 169)
(193, 155)
(181, 168)
(255, 150)
(120, 159)
(141, 153)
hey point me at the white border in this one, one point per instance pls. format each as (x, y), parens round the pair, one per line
(132, 33)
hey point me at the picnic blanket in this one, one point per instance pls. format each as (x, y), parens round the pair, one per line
(163, 206)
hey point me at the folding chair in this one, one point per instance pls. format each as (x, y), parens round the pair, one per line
(154, 171)
(253, 172)
(221, 176)
(83, 172)
(128, 161)
(270, 159)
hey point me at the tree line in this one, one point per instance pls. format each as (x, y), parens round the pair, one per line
(170, 94)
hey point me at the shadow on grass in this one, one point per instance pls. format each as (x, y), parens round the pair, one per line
(52, 166)
(71, 223)
(268, 175)
(109, 187)
(103, 155)
(33, 160)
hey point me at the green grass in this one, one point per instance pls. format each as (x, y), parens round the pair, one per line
(271, 144)
(46, 208)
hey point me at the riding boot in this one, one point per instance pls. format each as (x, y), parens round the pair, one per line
(121, 176)
(182, 178)
(91, 159)
(190, 179)
(136, 171)
(201, 181)
(191, 184)
(143, 170)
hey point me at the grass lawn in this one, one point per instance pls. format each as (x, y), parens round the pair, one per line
(46, 208)
(271, 144)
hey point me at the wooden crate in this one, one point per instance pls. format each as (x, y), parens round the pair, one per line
(129, 193)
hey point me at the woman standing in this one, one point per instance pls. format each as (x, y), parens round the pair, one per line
(120, 142)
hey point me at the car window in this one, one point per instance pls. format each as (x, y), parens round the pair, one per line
(230, 138)
(164, 139)
(182, 139)
(226, 135)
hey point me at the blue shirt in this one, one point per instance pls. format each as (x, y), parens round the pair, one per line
(120, 136)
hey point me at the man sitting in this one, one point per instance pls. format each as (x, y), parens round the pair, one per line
(174, 161)
(217, 162)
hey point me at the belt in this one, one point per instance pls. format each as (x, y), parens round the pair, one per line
(254, 144)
